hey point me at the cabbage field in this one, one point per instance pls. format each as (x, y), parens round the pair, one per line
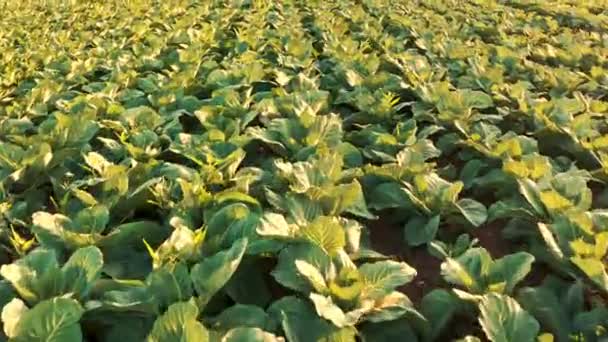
(304, 170)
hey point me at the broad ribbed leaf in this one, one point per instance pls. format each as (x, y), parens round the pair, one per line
(391, 307)
(313, 275)
(58, 231)
(53, 320)
(503, 320)
(420, 230)
(439, 307)
(11, 315)
(530, 191)
(468, 270)
(473, 211)
(169, 284)
(382, 277)
(274, 225)
(286, 272)
(511, 268)
(594, 269)
(326, 308)
(210, 275)
(35, 276)
(301, 323)
(179, 323)
(327, 233)
(240, 315)
(245, 334)
(547, 308)
(81, 270)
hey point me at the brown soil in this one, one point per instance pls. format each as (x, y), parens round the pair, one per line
(600, 200)
(385, 237)
(536, 276)
(428, 276)
(490, 238)
(276, 290)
